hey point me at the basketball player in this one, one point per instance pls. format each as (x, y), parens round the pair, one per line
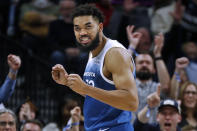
(108, 82)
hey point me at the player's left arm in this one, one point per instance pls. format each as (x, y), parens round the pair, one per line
(118, 63)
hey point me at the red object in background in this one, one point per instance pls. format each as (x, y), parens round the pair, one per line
(107, 12)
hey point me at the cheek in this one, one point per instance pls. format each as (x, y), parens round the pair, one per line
(160, 119)
(185, 99)
(138, 67)
(176, 119)
(76, 36)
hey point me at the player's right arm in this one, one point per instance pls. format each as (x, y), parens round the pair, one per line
(59, 74)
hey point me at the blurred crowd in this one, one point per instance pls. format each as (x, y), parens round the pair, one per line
(41, 33)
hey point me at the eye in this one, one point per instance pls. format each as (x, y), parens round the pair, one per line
(88, 27)
(77, 29)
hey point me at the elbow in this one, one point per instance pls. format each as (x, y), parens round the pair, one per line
(133, 104)
(165, 88)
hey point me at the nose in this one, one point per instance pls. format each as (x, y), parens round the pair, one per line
(7, 126)
(190, 94)
(144, 64)
(83, 32)
(167, 116)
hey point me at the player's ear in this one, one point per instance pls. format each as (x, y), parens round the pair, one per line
(100, 26)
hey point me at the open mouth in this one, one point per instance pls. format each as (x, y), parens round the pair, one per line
(84, 40)
(167, 125)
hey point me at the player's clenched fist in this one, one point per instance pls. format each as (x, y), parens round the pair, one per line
(59, 74)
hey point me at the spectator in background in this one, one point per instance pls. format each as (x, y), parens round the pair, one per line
(190, 51)
(8, 120)
(51, 127)
(61, 38)
(127, 13)
(36, 16)
(145, 42)
(182, 31)
(179, 77)
(32, 125)
(188, 22)
(74, 121)
(8, 86)
(145, 70)
(161, 20)
(188, 128)
(27, 111)
(188, 97)
(168, 115)
(65, 117)
(34, 21)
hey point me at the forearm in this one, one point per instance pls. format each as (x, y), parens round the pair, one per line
(7, 89)
(163, 75)
(131, 50)
(121, 99)
(174, 89)
(142, 115)
(12, 74)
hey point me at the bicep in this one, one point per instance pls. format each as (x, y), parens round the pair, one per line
(120, 66)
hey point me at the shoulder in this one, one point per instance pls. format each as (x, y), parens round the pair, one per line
(117, 54)
(117, 57)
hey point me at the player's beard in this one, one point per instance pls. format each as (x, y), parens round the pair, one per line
(91, 46)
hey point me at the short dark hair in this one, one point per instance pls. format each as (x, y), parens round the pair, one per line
(36, 122)
(88, 10)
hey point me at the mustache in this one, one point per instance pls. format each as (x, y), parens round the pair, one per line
(144, 68)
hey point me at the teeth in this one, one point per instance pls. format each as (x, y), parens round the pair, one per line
(84, 38)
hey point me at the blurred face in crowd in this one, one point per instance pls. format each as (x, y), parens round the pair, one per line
(26, 113)
(145, 41)
(7, 122)
(66, 8)
(87, 32)
(168, 118)
(144, 66)
(190, 96)
(69, 105)
(31, 127)
(190, 49)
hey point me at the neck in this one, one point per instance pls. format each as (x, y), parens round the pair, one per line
(190, 113)
(96, 51)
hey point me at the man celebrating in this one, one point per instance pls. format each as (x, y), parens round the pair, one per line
(8, 86)
(168, 114)
(109, 88)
